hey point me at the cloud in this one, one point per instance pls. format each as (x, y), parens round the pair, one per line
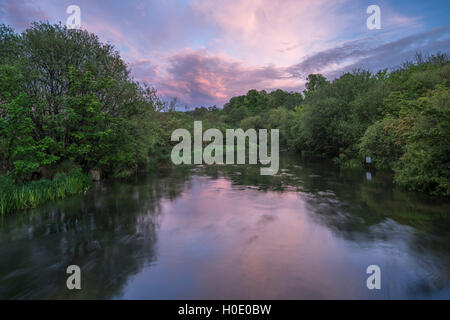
(199, 77)
(20, 13)
(372, 54)
(334, 57)
(266, 31)
(143, 69)
(202, 78)
(393, 53)
(206, 51)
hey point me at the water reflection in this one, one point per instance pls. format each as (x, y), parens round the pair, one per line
(228, 232)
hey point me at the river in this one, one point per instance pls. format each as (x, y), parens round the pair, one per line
(226, 232)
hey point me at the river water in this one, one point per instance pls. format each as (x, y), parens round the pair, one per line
(226, 232)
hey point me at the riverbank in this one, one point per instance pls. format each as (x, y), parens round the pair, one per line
(15, 197)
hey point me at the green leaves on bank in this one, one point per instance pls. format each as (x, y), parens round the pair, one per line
(400, 119)
(64, 95)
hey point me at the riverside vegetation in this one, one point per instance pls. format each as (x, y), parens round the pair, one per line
(69, 107)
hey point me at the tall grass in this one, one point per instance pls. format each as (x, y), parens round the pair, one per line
(14, 197)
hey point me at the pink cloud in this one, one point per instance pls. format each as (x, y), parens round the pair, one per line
(202, 76)
(206, 51)
(21, 13)
(279, 32)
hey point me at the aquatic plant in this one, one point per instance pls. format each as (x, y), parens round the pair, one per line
(14, 197)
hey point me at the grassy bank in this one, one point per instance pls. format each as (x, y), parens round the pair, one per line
(14, 197)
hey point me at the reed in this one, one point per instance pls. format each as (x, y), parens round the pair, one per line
(14, 197)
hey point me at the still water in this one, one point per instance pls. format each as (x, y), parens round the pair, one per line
(225, 232)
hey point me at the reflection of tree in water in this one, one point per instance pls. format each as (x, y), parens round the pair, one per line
(343, 198)
(110, 233)
(361, 211)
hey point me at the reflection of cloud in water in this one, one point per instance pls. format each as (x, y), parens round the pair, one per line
(214, 233)
(265, 219)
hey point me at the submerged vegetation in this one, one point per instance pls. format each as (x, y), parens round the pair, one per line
(67, 98)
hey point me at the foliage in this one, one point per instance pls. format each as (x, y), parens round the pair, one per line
(398, 118)
(425, 165)
(15, 196)
(64, 95)
(383, 142)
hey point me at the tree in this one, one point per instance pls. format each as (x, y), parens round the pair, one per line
(20, 152)
(425, 165)
(75, 100)
(314, 82)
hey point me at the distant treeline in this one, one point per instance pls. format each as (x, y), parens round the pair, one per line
(68, 103)
(400, 119)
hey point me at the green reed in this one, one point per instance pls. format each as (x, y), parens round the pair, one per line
(14, 197)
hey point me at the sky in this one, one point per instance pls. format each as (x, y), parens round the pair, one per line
(206, 51)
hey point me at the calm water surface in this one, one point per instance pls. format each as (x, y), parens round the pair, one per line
(220, 232)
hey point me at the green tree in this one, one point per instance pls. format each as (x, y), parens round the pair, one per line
(425, 166)
(80, 99)
(20, 152)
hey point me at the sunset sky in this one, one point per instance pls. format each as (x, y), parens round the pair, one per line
(206, 51)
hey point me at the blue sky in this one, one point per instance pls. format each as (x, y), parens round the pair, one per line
(206, 51)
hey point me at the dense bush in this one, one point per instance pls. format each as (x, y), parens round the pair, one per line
(425, 165)
(383, 143)
(64, 95)
(399, 118)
